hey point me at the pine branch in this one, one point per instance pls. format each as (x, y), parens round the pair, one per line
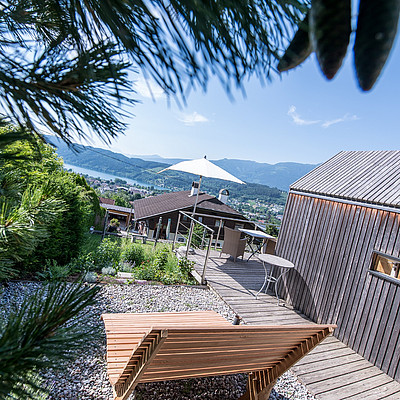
(63, 62)
(43, 332)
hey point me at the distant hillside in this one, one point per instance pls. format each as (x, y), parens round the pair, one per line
(146, 171)
(157, 158)
(280, 175)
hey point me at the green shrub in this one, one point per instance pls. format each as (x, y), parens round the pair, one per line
(147, 272)
(197, 236)
(164, 267)
(54, 272)
(185, 267)
(107, 255)
(68, 230)
(84, 262)
(134, 254)
(272, 230)
(115, 222)
(161, 258)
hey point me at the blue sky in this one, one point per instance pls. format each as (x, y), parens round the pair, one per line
(299, 117)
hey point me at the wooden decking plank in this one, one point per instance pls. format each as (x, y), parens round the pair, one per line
(336, 372)
(387, 391)
(278, 319)
(355, 388)
(329, 355)
(394, 396)
(345, 382)
(271, 321)
(322, 364)
(328, 347)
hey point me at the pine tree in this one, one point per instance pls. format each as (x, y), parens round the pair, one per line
(64, 63)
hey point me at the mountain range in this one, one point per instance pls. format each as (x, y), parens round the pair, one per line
(267, 181)
(280, 175)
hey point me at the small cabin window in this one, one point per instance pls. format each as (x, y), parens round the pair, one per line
(200, 219)
(386, 264)
(219, 222)
(184, 217)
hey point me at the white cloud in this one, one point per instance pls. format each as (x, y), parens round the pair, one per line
(149, 89)
(296, 117)
(324, 124)
(192, 119)
(345, 118)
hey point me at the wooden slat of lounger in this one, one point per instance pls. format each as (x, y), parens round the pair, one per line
(201, 372)
(124, 327)
(169, 351)
(148, 319)
(213, 340)
(135, 368)
(191, 341)
(172, 364)
(205, 345)
(171, 360)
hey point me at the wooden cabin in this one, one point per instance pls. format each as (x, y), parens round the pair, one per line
(341, 229)
(210, 210)
(123, 214)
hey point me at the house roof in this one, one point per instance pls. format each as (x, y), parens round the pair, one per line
(168, 202)
(367, 176)
(103, 200)
(113, 207)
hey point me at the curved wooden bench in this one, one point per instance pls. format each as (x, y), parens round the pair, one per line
(154, 347)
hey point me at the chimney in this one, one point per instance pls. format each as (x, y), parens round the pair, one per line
(195, 188)
(223, 195)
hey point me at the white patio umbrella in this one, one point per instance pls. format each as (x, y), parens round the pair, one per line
(203, 167)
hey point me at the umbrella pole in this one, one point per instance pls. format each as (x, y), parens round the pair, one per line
(191, 221)
(197, 197)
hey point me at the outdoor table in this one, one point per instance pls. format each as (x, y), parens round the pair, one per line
(253, 235)
(276, 262)
(135, 236)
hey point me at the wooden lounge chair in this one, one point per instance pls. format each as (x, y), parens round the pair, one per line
(233, 244)
(154, 347)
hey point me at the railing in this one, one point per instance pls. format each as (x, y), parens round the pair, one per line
(205, 239)
(200, 241)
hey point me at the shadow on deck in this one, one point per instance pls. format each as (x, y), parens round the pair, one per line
(332, 371)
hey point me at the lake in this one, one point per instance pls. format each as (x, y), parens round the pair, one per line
(103, 175)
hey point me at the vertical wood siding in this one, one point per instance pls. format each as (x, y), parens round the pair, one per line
(331, 245)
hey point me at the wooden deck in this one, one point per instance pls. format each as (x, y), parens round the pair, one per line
(332, 371)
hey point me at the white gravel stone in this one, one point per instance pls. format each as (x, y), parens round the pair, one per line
(86, 379)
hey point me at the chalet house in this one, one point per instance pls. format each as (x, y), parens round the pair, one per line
(341, 229)
(210, 211)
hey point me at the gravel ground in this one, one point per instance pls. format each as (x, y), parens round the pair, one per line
(86, 378)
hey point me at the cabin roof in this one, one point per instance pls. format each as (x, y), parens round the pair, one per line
(365, 176)
(174, 201)
(113, 207)
(104, 200)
